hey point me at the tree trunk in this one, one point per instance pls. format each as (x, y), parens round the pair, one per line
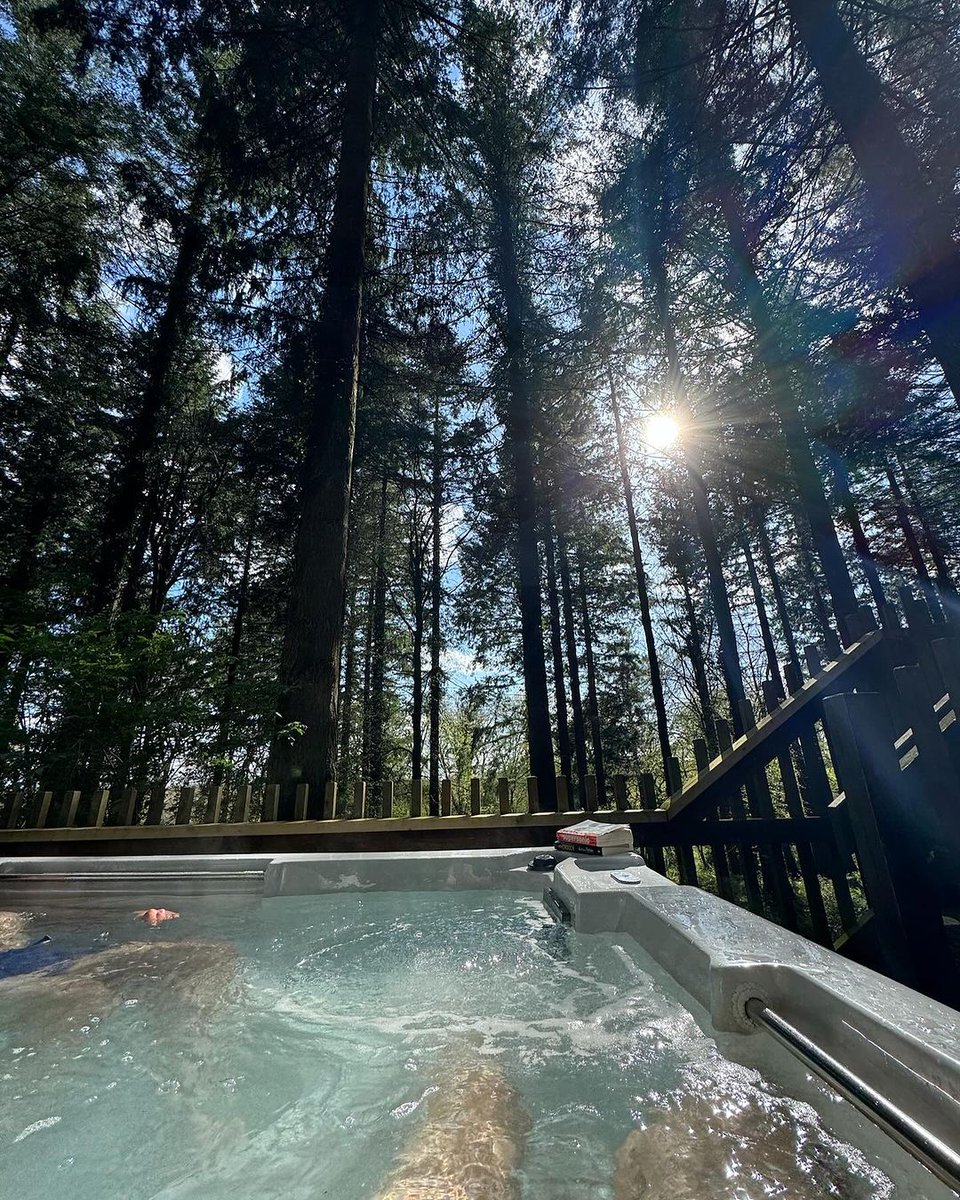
(15, 589)
(436, 599)
(573, 669)
(909, 533)
(132, 576)
(931, 535)
(419, 623)
(703, 519)
(310, 671)
(365, 705)
(123, 505)
(378, 647)
(698, 663)
(10, 699)
(593, 708)
(556, 646)
(809, 572)
(746, 286)
(779, 599)
(766, 633)
(518, 421)
(729, 648)
(225, 730)
(841, 478)
(914, 221)
(349, 677)
(646, 620)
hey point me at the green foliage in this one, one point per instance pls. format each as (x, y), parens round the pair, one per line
(167, 177)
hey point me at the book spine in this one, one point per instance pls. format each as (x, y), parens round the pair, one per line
(626, 848)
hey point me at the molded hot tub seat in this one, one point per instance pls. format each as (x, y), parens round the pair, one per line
(899, 1042)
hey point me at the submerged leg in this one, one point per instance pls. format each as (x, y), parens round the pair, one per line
(727, 1147)
(187, 977)
(470, 1143)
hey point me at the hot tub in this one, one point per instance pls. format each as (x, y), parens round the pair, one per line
(362, 1026)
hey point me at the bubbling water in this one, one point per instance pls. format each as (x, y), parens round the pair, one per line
(437, 1046)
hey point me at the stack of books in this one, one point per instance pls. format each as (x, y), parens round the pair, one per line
(595, 837)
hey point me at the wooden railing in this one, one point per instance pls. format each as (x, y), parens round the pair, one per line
(837, 813)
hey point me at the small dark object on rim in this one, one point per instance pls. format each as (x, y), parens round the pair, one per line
(542, 862)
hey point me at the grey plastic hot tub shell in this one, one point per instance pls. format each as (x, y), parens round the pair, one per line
(896, 1041)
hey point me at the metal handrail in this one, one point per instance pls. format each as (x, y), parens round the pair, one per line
(924, 1146)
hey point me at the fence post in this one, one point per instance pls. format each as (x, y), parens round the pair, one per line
(271, 802)
(563, 794)
(819, 799)
(329, 810)
(446, 798)
(211, 814)
(474, 797)
(745, 852)
(45, 799)
(301, 798)
(686, 862)
(68, 810)
(99, 803)
(416, 798)
(718, 851)
(359, 799)
(916, 612)
(648, 801)
(620, 793)
(792, 678)
(859, 623)
(242, 807)
(13, 816)
(771, 857)
(503, 795)
(831, 644)
(922, 633)
(158, 798)
(879, 795)
(813, 659)
(805, 855)
(188, 796)
(533, 794)
(128, 807)
(386, 798)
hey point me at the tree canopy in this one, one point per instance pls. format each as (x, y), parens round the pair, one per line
(415, 391)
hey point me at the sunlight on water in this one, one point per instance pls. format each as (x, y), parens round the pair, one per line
(310, 1063)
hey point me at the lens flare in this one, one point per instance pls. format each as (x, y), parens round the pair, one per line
(662, 430)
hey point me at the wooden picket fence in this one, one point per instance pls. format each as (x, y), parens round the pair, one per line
(836, 813)
(158, 806)
(161, 807)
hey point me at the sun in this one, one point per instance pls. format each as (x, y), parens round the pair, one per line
(661, 430)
